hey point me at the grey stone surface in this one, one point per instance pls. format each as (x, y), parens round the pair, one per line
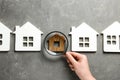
(50, 15)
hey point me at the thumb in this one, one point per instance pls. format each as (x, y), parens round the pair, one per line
(70, 58)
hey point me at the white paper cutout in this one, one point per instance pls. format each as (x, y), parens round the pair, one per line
(111, 38)
(27, 38)
(84, 38)
(4, 38)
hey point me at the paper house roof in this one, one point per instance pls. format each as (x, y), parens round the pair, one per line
(27, 27)
(84, 29)
(3, 28)
(112, 29)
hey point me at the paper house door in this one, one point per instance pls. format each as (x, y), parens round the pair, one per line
(4, 38)
(111, 38)
(84, 38)
(27, 38)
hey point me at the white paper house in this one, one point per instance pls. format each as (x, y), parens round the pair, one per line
(27, 38)
(111, 38)
(84, 38)
(4, 38)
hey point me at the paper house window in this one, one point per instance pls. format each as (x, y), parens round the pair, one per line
(83, 41)
(111, 39)
(28, 41)
(56, 43)
(1, 36)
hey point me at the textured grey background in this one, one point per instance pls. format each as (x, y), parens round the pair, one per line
(49, 15)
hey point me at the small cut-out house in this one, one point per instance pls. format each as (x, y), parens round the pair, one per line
(111, 38)
(56, 43)
(27, 38)
(4, 38)
(83, 38)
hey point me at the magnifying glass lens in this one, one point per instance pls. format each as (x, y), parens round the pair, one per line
(56, 43)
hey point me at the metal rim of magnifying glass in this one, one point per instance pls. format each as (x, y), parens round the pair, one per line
(51, 52)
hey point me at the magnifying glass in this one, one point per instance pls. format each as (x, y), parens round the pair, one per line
(55, 43)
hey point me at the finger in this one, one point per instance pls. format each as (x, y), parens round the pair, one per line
(74, 55)
(68, 61)
(70, 58)
(71, 66)
(78, 56)
(72, 69)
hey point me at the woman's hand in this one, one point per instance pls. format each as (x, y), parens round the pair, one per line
(79, 63)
